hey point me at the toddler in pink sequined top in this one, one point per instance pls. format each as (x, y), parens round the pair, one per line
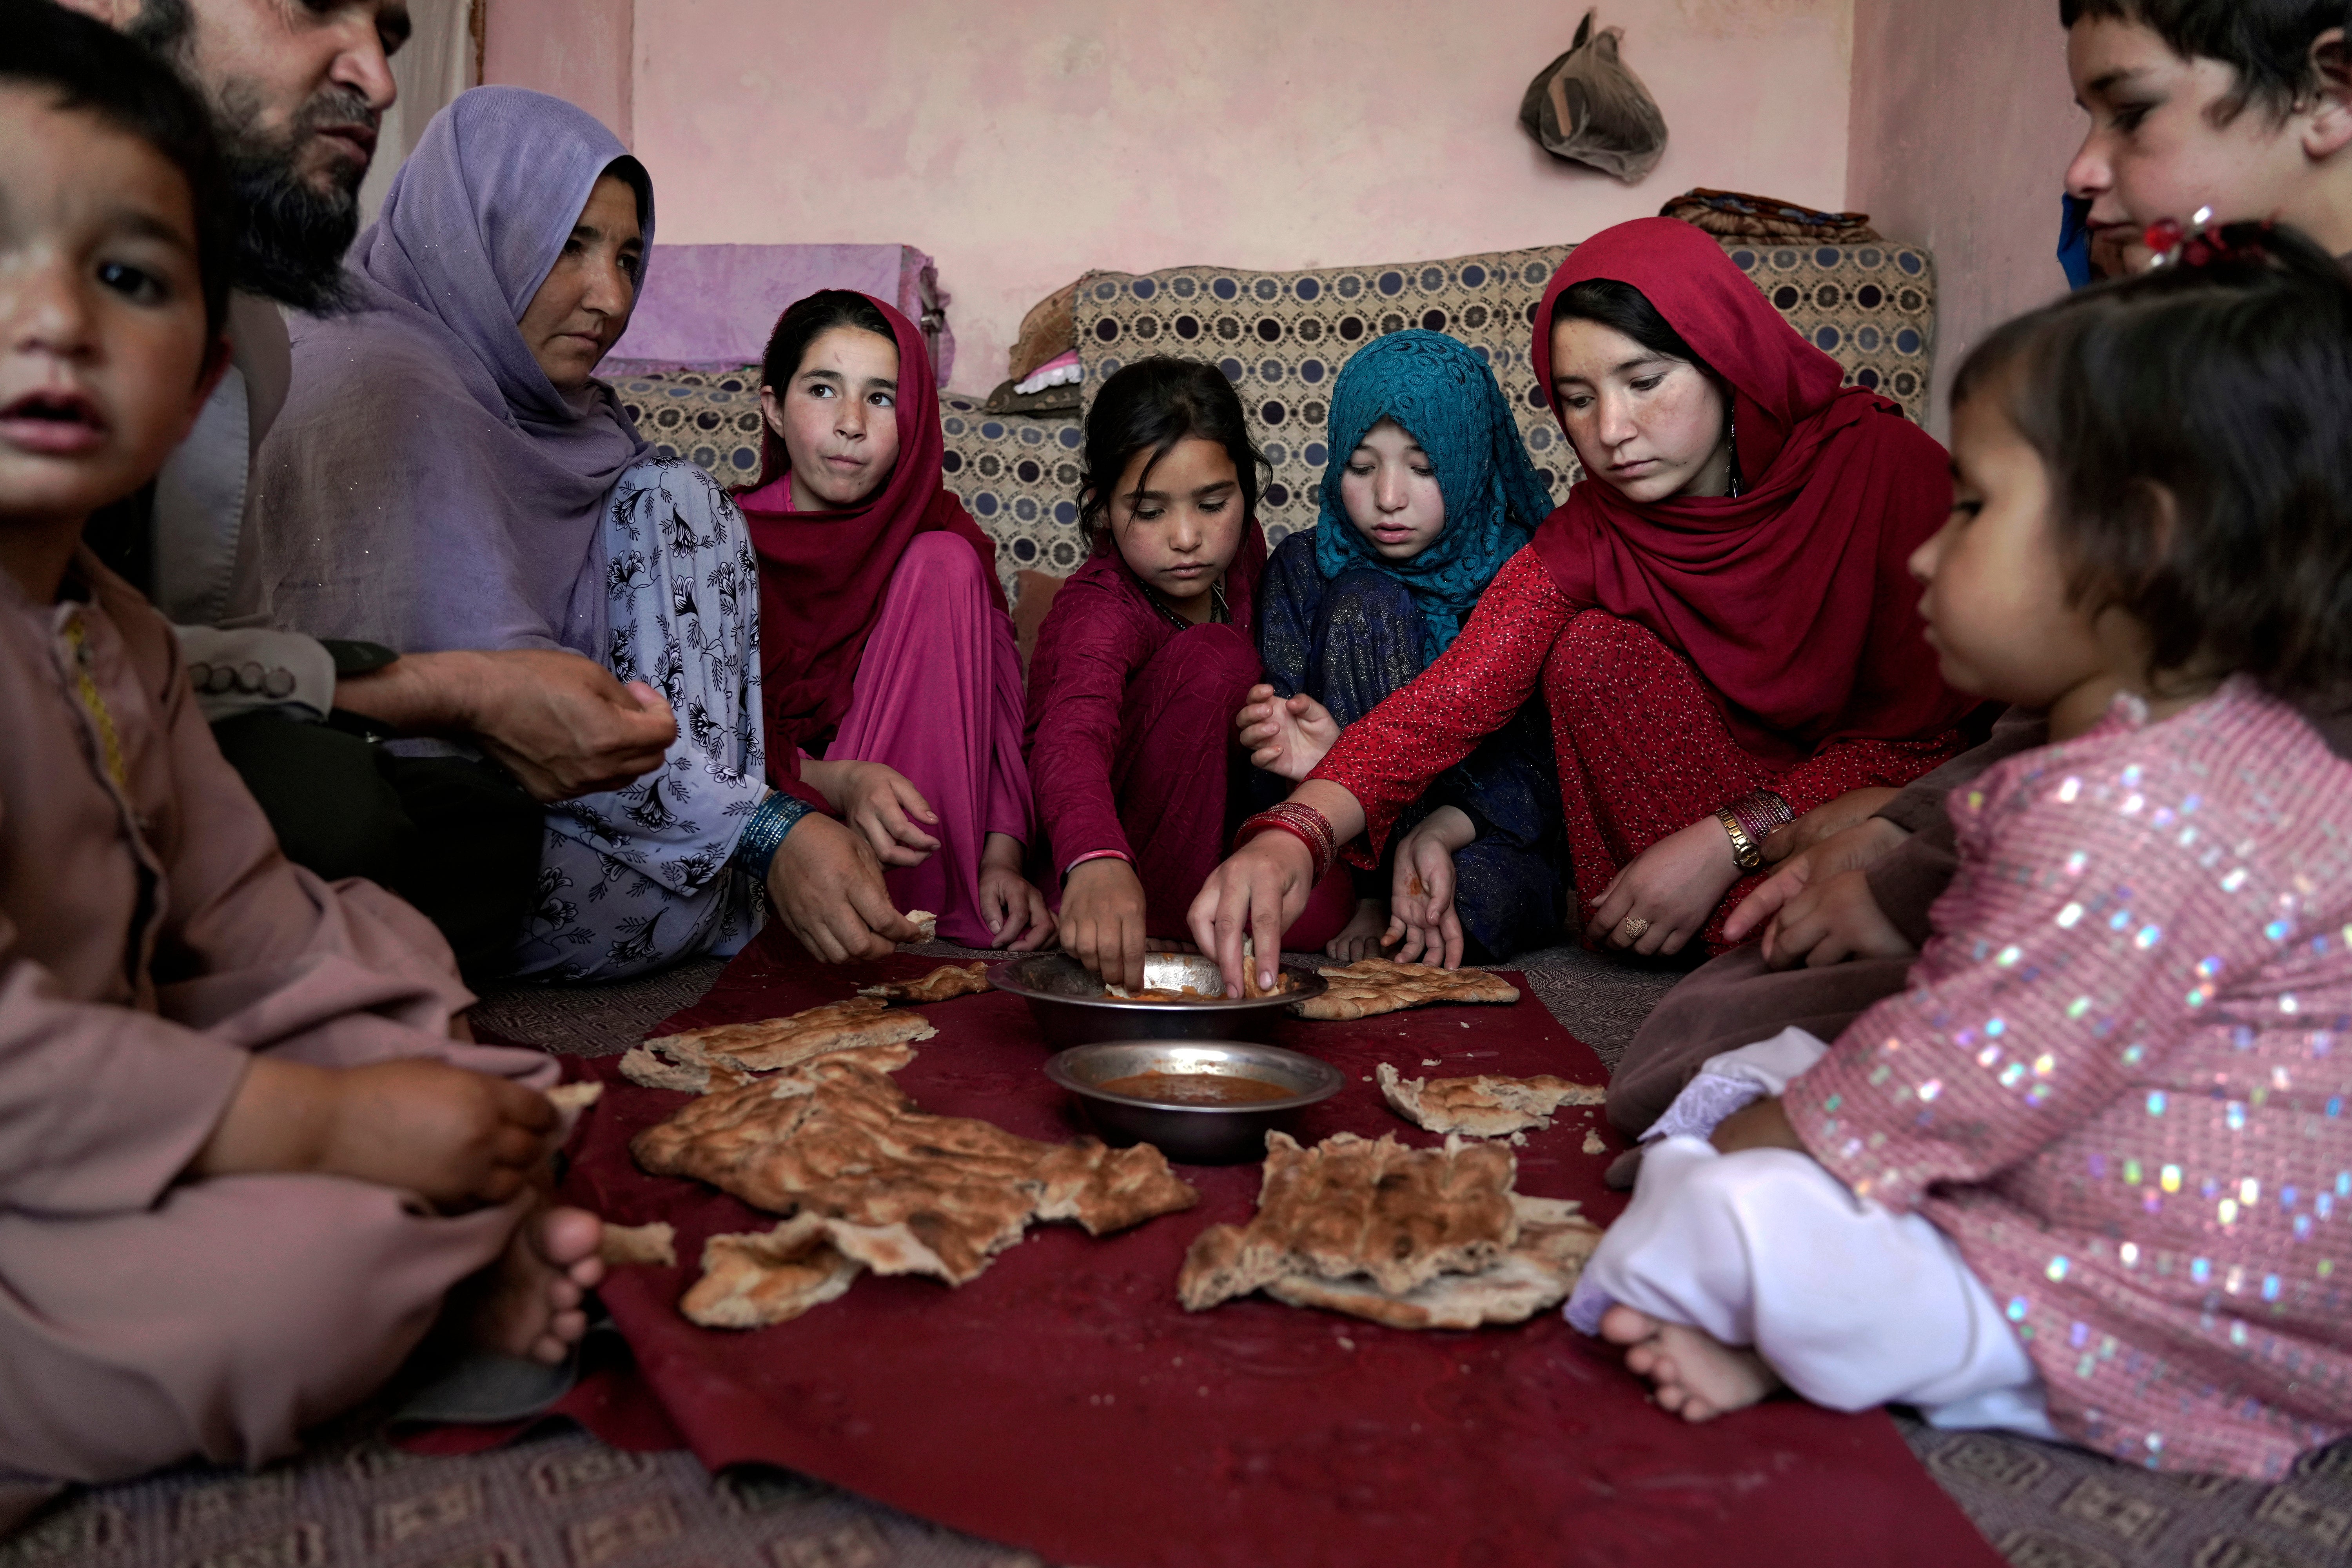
(2090, 1176)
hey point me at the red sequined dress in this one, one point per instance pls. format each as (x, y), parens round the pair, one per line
(1642, 747)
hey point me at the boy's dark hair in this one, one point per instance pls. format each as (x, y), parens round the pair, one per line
(96, 71)
(1150, 406)
(2193, 423)
(2266, 42)
(1622, 308)
(805, 321)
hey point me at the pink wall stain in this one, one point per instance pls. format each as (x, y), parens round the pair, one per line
(576, 49)
(1024, 142)
(1963, 121)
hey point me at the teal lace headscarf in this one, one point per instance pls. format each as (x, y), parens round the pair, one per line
(1444, 397)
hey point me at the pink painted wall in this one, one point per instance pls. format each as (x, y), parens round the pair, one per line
(576, 49)
(1022, 141)
(1962, 125)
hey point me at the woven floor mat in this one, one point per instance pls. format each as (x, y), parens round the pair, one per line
(569, 1501)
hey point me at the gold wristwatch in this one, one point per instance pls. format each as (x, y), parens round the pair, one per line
(1746, 853)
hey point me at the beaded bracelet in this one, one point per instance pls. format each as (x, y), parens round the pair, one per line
(1761, 811)
(1304, 822)
(777, 815)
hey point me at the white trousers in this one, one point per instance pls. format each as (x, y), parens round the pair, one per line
(1852, 1305)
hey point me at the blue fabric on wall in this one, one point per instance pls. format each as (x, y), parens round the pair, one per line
(1442, 394)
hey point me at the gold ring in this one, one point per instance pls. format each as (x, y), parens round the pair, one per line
(1634, 927)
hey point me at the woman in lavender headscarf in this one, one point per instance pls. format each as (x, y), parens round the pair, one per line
(447, 475)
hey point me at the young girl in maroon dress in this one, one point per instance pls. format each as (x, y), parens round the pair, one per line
(1718, 618)
(892, 686)
(1141, 664)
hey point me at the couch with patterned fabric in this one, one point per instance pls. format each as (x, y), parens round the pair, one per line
(1281, 337)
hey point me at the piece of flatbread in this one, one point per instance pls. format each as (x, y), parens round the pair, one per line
(1351, 1205)
(574, 1097)
(926, 923)
(1482, 1107)
(753, 1280)
(651, 1244)
(902, 1192)
(1375, 985)
(726, 1055)
(949, 980)
(1536, 1273)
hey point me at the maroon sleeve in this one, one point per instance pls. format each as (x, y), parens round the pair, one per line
(1845, 765)
(1087, 650)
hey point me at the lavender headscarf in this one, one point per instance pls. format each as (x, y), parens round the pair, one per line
(426, 486)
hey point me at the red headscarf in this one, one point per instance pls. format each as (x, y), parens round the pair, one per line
(823, 573)
(1792, 599)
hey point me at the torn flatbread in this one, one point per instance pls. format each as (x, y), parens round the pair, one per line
(902, 1192)
(1405, 1276)
(1375, 985)
(654, 1244)
(752, 1280)
(701, 1061)
(574, 1097)
(948, 981)
(1486, 1106)
(926, 924)
(1353, 1205)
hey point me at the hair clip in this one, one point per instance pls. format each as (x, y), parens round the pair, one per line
(2203, 243)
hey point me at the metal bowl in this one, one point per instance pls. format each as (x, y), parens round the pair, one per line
(1071, 1009)
(1191, 1134)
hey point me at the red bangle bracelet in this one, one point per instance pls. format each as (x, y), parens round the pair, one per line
(1304, 822)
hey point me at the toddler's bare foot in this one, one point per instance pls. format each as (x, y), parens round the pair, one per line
(1696, 1376)
(1360, 937)
(1167, 944)
(530, 1297)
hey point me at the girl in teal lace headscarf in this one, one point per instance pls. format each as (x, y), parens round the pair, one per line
(1346, 617)
(1441, 393)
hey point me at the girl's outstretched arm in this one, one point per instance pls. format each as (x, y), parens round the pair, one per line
(1262, 888)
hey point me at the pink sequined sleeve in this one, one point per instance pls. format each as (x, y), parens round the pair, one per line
(2094, 908)
(1389, 758)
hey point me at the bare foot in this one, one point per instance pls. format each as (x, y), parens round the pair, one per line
(1167, 944)
(1696, 1376)
(531, 1301)
(1360, 937)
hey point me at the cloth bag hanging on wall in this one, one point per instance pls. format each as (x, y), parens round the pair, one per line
(1589, 108)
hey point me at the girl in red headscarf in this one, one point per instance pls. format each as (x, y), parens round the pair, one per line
(892, 686)
(1720, 618)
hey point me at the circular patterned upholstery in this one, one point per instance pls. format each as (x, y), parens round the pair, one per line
(1281, 337)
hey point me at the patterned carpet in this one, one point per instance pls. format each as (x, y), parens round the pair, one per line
(564, 1501)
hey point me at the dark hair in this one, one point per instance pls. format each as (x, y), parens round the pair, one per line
(96, 71)
(2213, 396)
(1622, 308)
(2266, 42)
(804, 322)
(1150, 406)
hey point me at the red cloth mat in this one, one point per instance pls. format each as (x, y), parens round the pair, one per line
(1064, 1402)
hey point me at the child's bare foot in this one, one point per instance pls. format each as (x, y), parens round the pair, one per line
(1360, 937)
(530, 1297)
(1167, 944)
(1696, 1376)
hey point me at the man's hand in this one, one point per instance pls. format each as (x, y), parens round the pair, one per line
(1853, 848)
(1287, 737)
(881, 802)
(1832, 922)
(1016, 911)
(458, 1139)
(1102, 921)
(560, 723)
(826, 886)
(1673, 885)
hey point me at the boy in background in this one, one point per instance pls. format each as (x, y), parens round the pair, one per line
(247, 1159)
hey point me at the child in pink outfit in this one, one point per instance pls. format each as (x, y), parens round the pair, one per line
(2089, 1177)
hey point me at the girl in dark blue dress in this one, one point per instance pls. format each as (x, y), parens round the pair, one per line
(1427, 493)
